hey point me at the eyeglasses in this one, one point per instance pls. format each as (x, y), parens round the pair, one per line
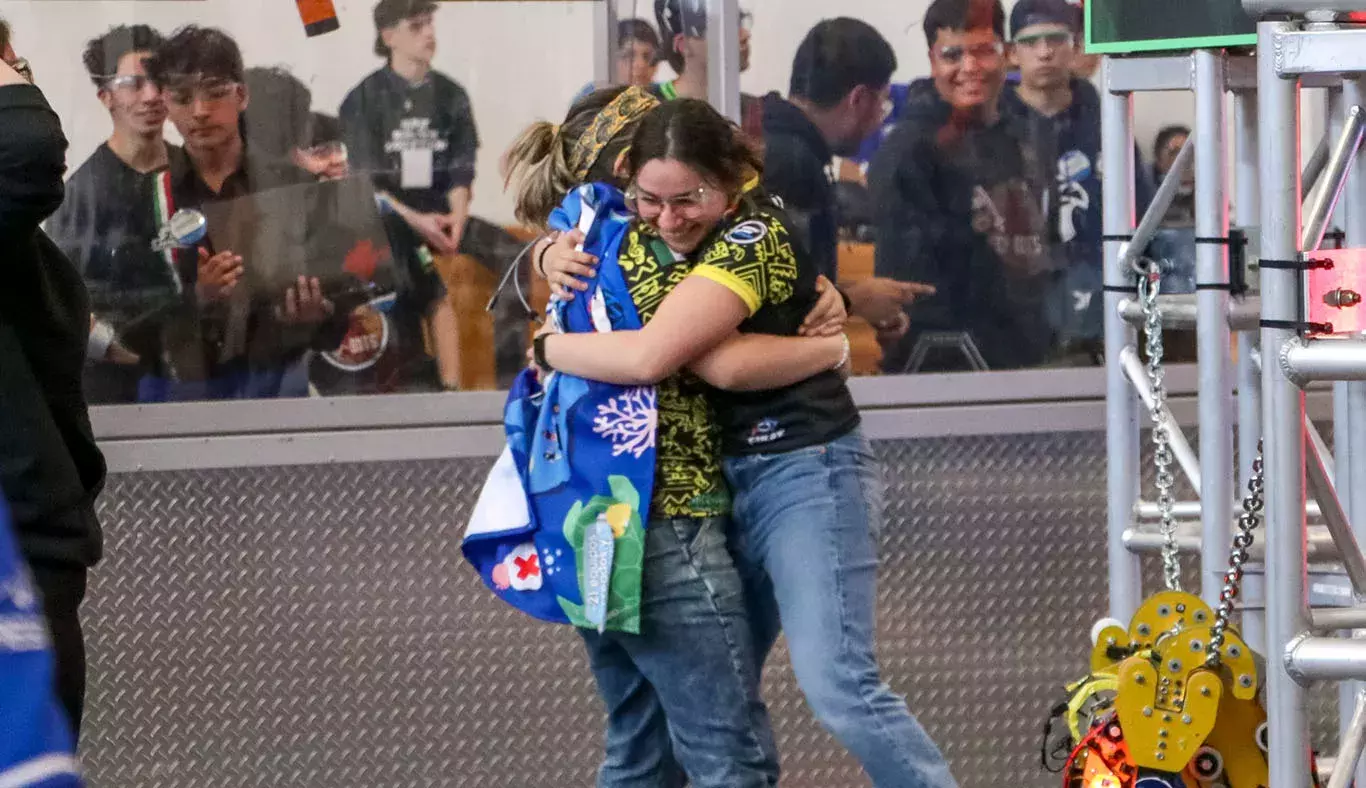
(689, 205)
(988, 52)
(208, 91)
(1057, 39)
(129, 83)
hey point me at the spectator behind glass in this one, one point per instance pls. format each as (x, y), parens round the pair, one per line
(384, 347)
(637, 52)
(1169, 141)
(956, 195)
(638, 57)
(412, 128)
(683, 33)
(109, 219)
(51, 470)
(1060, 117)
(838, 96)
(232, 343)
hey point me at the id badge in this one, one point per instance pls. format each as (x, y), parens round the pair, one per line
(417, 169)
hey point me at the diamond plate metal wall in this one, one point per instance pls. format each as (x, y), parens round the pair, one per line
(317, 627)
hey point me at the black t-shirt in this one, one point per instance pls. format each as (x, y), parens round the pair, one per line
(418, 142)
(106, 226)
(755, 256)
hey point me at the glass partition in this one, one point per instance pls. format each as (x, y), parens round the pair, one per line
(271, 199)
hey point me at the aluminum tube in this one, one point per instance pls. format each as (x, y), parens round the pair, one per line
(1146, 511)
(1179, 311)
(1157, 209)
(1121, 405)
(1349, 399)
(605, 44)
(1181, 448)
(1320, 659)
(1333, 516)
(1306, 361)
(1335, 179)
(723, 57)
(1313, 169)
(1331, 619)
(1319, 544)
(1213, 340)
(1283, 418)
(1353, 740)
(1247, 204)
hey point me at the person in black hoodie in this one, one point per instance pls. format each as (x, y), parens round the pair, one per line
(50, 468)
(957, 194)
(838, 98)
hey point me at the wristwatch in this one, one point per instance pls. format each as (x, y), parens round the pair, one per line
(538, 351)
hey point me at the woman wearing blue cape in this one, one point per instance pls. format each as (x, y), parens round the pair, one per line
(808, 492)
(624, 524)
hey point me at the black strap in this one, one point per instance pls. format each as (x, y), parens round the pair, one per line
(1107, 237)
(1310, 264)
(1215, 286)
(1296, 325)
(1225, 241)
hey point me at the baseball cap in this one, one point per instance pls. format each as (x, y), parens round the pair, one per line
(1028, 13)
(390, 12)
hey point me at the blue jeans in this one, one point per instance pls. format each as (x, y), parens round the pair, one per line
(687, 686)
(806, 540)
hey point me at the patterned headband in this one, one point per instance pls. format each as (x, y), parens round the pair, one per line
(625, 110)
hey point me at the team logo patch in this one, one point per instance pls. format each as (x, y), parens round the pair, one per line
(367, 338)
(746, 233)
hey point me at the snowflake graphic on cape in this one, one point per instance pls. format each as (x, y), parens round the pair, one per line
(629, 421)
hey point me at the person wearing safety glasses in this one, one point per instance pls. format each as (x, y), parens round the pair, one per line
(957, 195)
(107, 223)
(1059, 114)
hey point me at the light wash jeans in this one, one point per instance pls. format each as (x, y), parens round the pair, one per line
(687, 687)
(805, 539)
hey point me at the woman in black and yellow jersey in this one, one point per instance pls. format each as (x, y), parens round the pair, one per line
(808, 492)
(687, 685)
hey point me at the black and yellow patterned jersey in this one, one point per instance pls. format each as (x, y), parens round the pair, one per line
(756, 257)
(688, 479)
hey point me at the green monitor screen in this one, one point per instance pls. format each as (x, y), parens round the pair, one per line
(1122, 26)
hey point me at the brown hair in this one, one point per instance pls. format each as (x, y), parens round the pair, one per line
(4, 35)
(539, 159)
(694, 133)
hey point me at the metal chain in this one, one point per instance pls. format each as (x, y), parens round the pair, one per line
(1233, 578)
(1149, 284)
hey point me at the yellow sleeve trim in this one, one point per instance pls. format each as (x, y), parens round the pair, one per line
(732, 283)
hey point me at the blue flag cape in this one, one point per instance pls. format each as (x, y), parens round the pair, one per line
(580, 457)
(36, 750)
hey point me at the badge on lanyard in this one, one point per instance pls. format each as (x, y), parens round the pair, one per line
(417, 169)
